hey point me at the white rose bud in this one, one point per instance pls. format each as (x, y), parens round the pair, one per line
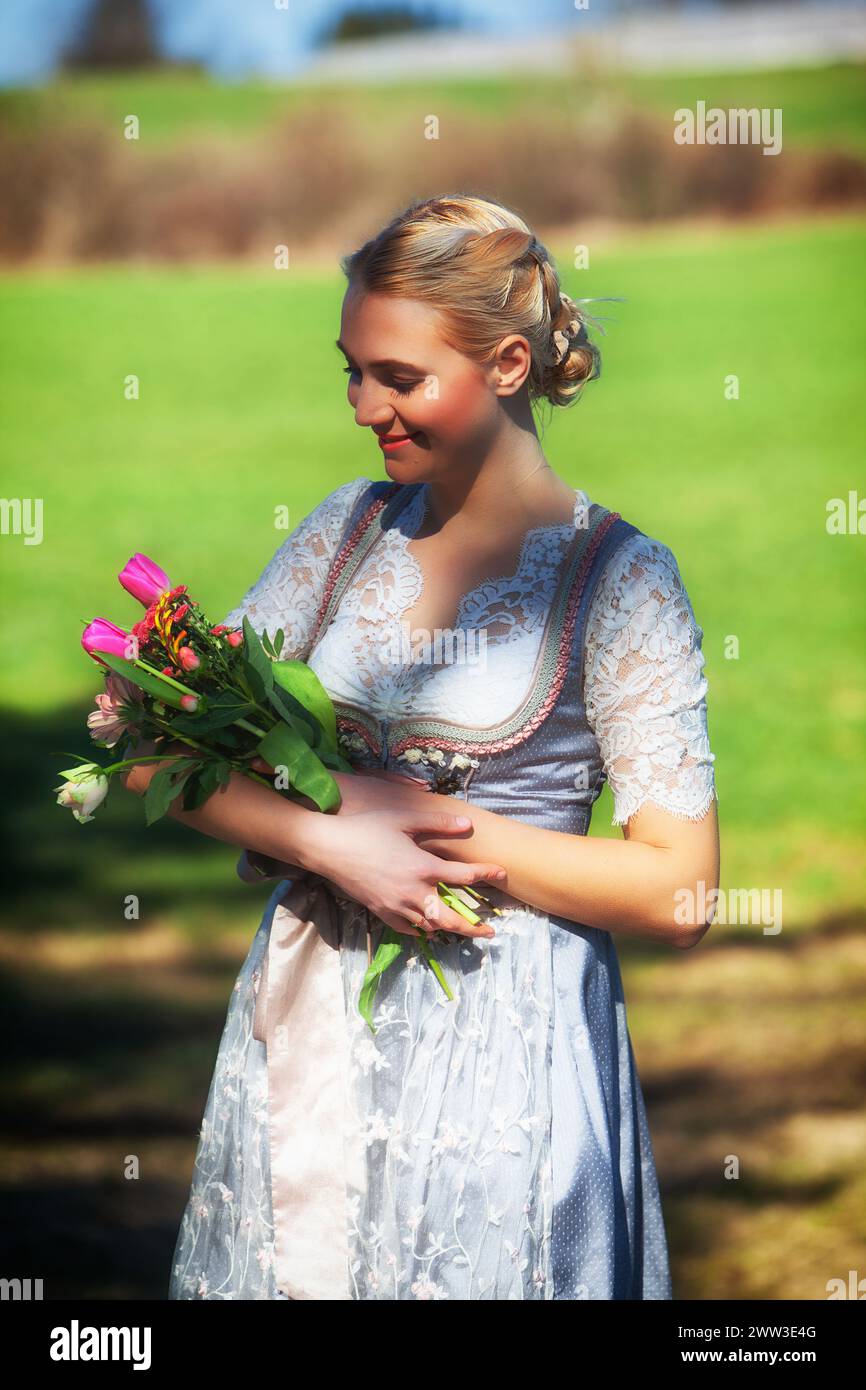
(85, 789)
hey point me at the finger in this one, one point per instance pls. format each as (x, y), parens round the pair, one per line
(440, 917)
(398, 923)
(434, 823)
(473, 873)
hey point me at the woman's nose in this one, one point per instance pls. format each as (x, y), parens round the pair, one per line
(371, 406)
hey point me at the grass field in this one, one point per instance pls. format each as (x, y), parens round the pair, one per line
(242, 407)
(824, 106)
(752, 1044)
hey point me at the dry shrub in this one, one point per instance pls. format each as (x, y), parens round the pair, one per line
(76, 192)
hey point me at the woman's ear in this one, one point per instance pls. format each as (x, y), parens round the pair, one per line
(512, 364)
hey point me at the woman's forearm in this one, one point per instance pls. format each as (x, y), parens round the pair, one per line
(622, 886)
(626, 886)
(245, 813)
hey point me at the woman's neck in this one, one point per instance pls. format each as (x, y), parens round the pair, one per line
(511, 490)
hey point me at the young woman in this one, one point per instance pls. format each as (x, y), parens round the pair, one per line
(498, 645)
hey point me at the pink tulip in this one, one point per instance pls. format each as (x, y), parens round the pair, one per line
(104, 636)
(188, 659)
(143, 579)
(189, 703)
(235, 639)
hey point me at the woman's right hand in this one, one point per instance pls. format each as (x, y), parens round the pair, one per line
(371, 855)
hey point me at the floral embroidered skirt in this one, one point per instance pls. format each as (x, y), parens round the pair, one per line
(496, 1145)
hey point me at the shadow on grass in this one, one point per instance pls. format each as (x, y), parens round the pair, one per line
(91, 1080)
(77, 875)
(105, 1062)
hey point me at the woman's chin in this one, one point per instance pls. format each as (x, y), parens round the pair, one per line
(406, 464)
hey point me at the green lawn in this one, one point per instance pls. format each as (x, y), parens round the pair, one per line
(822, 106)
(242, 407)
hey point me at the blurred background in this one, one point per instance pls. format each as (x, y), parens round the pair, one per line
(154, 154)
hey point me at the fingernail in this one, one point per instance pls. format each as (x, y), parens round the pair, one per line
(463, 821)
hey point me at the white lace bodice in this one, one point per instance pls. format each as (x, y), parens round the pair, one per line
(644, 686)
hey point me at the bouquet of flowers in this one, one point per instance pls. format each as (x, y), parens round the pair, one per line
(229, 697)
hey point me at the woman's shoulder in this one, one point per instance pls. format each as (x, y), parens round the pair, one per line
(639, 588)
(637, 556)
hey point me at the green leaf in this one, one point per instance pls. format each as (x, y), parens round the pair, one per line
(203, 785)
(231, 738)
(145, 681)
(257, 667)
(165, 785)
(283, 746)
(61, 752)
(300, 680)
(388, 950)
(192, 787)
(335, 760)
(223, 709)
(425, 948)
(293, 713)
(278, 641)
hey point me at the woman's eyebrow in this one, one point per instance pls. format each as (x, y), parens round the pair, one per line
(384, 361)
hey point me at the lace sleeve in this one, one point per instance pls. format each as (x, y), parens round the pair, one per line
(644, 686)
(289, 590)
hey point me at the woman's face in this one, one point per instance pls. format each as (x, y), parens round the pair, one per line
(429, 405)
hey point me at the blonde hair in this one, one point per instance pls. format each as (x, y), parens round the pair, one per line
(487, 273)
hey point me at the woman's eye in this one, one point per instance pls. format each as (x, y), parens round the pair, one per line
(400, 388)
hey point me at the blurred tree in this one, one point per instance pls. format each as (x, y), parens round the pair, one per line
(358, 23)
(116, 34)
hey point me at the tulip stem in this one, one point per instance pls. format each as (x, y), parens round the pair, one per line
(250, 728)
(130, 762)
(169, 680)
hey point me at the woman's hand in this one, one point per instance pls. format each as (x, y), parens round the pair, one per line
(381, 866)
(368, 789)
(372, 856)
